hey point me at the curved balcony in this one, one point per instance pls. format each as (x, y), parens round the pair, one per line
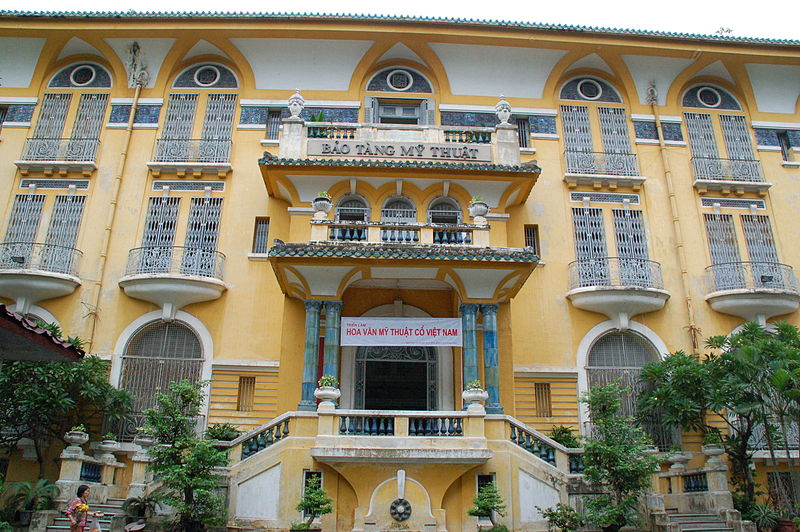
(754, 291)
(191, 156)
(173, 277)
(712, 173)
(602, 168)
(618, 287)
(31, 272)
(51, 155)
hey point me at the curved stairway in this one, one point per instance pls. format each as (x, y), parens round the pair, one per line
(111, 508)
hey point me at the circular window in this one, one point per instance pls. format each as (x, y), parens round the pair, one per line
(82, 75)
(590, 89)
(399, 80)
(207, 76)
(709, 96)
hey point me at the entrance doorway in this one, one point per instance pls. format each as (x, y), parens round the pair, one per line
(396, 378)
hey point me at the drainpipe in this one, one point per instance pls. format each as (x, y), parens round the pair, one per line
(139, 77)
(652, 99)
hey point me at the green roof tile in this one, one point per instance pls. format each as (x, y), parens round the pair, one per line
(371, 163)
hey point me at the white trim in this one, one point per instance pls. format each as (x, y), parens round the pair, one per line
(546, 370)
(142, 101)
(258, 256)
(497, 216)
(305, 211)
(640, 117)
(394, 478)
(551, 136)
(768, 148)
(491, 109)
(259, 127)
(18, 100)
(16, 124)
(124, 125)
(646, 141)
(671, 119)
(790, 164)
(527, 150)
(775, 125)
(43, 313)
(269, 142)
(675, 143)
(245, 365)
(203, 334)
(583, 353)
(309, 103)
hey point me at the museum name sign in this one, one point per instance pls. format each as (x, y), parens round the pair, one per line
(400, 150)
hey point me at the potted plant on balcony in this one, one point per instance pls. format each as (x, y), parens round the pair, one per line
(478, 207)
(322, 202)
(314, 503)
(474, 393)
(487, 505)
(76, 436)
(138, 509)
(328, 390)
(712, 446)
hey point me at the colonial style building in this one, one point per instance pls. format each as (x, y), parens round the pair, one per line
(406, 204)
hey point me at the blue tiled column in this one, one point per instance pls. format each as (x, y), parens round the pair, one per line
(469, 349)
(490, 370)
(333, 314)
(310, 354)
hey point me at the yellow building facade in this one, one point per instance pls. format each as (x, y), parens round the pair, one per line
(579, 202)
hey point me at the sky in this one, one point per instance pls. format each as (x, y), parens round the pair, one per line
(778, 21)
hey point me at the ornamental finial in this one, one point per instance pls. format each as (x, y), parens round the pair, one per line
(296, 104)
(503, 110)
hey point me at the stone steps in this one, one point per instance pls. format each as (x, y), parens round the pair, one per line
(110, 509)
(698, 522)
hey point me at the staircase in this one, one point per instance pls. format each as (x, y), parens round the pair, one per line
(697, 523)
(111, 508)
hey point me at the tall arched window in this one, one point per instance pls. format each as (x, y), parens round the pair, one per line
(352, 209)
(156, 355)
(444, 211)
(620, 356)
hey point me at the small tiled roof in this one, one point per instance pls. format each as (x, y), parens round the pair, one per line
(402, 251)
(254, 15)
(23, 339)
(269, 160)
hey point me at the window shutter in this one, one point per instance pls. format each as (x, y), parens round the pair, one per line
(370, 110)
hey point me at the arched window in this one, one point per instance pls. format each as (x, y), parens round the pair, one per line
(156, 355)
(352, 209)
(444, 211)
(399, 209)
(399, 97)
(81, 75)
(206, 76)
(619, 357)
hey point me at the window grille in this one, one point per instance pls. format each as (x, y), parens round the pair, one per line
(88, 123)
(737, 137)
(159, 353)
(444, 211)
(783, 487)
(25, 215)
(177, 128)
(485, 480)
(399, 210)
(734, 203)
(189, 186)
(217, 126)
(524, 131)
(62, 232)
(202, 230)
(758, 235)
(590, 240)
(3, 113)
(261, 236)
(614, 129)
(532, 238)
(54, 184)
(604, 197)
(701, 135)
(783, 142)
(162, 217)
(50, 124)
(307, 476)
(247, 392)
(630, 233)
(273, 125)
(352, 210)
(721, 236)
(541, 392)
(577, 131)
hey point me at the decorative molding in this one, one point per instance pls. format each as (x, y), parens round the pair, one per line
(545, 371)
(18, 100)
(303, 211)
(244, 365)
(142, 101)
(308, 103)
(775, 125)
(490, 109)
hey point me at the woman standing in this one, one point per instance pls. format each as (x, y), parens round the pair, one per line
(79, 509)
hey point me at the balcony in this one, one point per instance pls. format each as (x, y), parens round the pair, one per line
(31, 272)
(193, 157)
(728, 175)
(601, 169)
(173, 277)
(61, 156)
(754, 291)
(400, 233)
(618, 287)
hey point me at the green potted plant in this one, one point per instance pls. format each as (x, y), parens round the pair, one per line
(139, 508)
(764, 516)
(322, 202)
(77, 435)
(564, 436)
(314, 503)
(328, 390)
(562, 517)
(713, 445)
(478, 207)
(488, 504)
(474, 393)
(222, 432)
(26, 498)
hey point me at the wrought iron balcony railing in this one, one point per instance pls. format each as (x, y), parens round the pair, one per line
(750, 276)
(714, 169)
(39, 257)
(615, 271)
(51, 149)
(600, 163)
(192, 151)
(175, 260)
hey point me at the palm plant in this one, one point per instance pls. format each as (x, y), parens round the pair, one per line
(27, 496)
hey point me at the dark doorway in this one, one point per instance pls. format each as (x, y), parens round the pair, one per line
(396, 385)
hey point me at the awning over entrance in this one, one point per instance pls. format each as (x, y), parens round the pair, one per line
(323, 270)
(21, 339)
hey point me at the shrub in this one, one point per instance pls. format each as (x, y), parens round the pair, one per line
(222, 432)
(564, 436)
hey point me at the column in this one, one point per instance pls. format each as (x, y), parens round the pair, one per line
(307, 400)
(333, 314)
(469, 350)
(490, 370)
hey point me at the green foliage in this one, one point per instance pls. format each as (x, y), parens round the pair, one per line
(498, 528)
(315, 501)
(565, 436)
(323, 194)
(712, 437)
(477, 199)
(28, 496)
(185, 463)
(109, 436)
(562, 517)
(49, 399)
(329, 381)
(614, 457)
(222, 432)
(488, 500)
(318, 117)
(764, 516)
(140, 506)
(52, 328)
(474, 384)
(78, 428)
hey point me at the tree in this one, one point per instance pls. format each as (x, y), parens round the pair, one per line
(614, 458)
(314, 503)
(488, 502)
(45, 400)
(185, 463)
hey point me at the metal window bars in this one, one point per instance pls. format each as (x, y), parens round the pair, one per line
(750, 276)
(39, 257)
(176, 260)
(615, 271)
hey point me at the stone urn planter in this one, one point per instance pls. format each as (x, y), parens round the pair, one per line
(144, 441)
(108, 446)
(713, 453)
(679, 460)
(322, 204)
(76, 438)
(478, 208)
(328, 394)
(474, 396)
